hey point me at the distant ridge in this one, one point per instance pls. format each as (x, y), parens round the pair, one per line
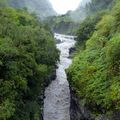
(42, 8)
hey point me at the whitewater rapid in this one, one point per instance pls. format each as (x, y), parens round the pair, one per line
(57, 94)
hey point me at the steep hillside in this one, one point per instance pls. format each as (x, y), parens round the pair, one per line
(81, 12)
(63, 24)
(28, 58)
(97, 5)
(88, 7)
(95, 73)
(42, 8)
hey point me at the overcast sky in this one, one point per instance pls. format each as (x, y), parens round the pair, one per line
(62, 6)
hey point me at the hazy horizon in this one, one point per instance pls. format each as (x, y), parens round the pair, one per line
(63, 6)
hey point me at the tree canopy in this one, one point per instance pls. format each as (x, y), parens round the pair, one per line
(95, 72)
(28, 56)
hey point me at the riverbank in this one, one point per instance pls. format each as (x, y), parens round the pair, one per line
(42, 95)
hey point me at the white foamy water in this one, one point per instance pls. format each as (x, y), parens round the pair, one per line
(57, 94)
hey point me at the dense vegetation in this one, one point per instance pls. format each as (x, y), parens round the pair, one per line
(27, 58)
(95, 72)
(63, 24)
(86, 29)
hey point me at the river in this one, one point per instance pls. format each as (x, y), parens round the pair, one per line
(57, 94)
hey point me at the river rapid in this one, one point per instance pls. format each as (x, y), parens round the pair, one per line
(57, 94)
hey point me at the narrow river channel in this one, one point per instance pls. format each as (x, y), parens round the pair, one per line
(57, 94)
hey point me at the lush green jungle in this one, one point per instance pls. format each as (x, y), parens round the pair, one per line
(95, 72)
(28, 57)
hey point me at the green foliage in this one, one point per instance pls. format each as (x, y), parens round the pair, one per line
(103, 27)
(62, 24)
(86, 29)
(95, 72)
(27, 57)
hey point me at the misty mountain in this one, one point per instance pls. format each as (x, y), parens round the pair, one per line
(80, 13)
(98, 5)
(88, 7)
(83, 3)
(42, 8)
(16, 3)
(69, 22)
